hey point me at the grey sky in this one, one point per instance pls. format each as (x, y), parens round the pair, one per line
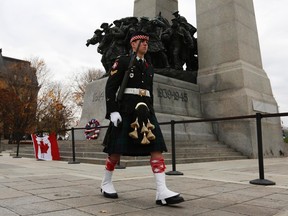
(57, 30)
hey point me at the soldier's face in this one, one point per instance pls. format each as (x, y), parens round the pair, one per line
(142, 48)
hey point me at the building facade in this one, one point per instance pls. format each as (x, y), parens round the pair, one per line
(19, 89)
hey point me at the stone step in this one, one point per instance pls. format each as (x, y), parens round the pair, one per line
(146, 162)
(102, 156)
(78, 148)
(209, 159)
(83, 144)
(198, 150)
(168, 161)
(210, 154)
(96, 143)
(98, 155)
(89, 151)
(141, 161)
(204, 150)
(84, 147)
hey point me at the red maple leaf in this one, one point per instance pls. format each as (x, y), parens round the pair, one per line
(44, 148)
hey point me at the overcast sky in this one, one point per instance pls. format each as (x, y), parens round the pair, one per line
(57, 30)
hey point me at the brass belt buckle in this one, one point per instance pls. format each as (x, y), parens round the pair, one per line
(142, 92)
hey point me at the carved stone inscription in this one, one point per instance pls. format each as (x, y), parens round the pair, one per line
(172, 94)
(98, 96)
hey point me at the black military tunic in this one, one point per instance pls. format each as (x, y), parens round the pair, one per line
(117, 139)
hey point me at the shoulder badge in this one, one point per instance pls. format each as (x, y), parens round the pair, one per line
(115, 65)
(113, 72)
(114, 68)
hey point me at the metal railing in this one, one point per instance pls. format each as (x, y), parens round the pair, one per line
(258, 117)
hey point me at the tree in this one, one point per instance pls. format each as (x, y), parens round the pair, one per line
(18, 98)
(81, 81)
(30, 102)
(42, 72)
(55, 111)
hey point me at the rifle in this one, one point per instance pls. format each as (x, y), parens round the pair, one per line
(126, 74)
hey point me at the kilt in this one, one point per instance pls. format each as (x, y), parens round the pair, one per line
(118, 141)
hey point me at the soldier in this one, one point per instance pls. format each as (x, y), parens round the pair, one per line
(156, 51)
(180, 42)
(133, 129)
(183, 21)
(104, 45)
(97, 37)
(117, 46)
(131, 28)
(190, 52)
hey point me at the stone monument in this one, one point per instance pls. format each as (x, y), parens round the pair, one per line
(231, 81)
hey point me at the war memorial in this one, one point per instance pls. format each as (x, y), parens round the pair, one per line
(224, 78)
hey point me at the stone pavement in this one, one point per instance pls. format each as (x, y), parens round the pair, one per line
(56, 188)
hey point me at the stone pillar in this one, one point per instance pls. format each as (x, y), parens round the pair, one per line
(151, 8)
(231, 78)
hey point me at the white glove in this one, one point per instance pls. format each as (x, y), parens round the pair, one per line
(115, 117)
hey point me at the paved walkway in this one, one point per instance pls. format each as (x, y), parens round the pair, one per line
(56, 188)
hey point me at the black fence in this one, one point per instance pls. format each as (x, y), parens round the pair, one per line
(258, 117)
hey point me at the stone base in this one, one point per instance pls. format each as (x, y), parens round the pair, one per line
(187, 76)
(173, 100)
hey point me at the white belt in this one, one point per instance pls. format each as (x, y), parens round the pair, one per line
(137, 91)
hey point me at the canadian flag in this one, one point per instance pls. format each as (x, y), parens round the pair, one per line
(46, 147)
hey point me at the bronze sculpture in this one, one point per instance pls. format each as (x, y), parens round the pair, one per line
(171, 46)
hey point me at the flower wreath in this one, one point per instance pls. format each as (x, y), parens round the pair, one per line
(91, 129)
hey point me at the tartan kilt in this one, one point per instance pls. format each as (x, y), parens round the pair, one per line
(118, 141)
